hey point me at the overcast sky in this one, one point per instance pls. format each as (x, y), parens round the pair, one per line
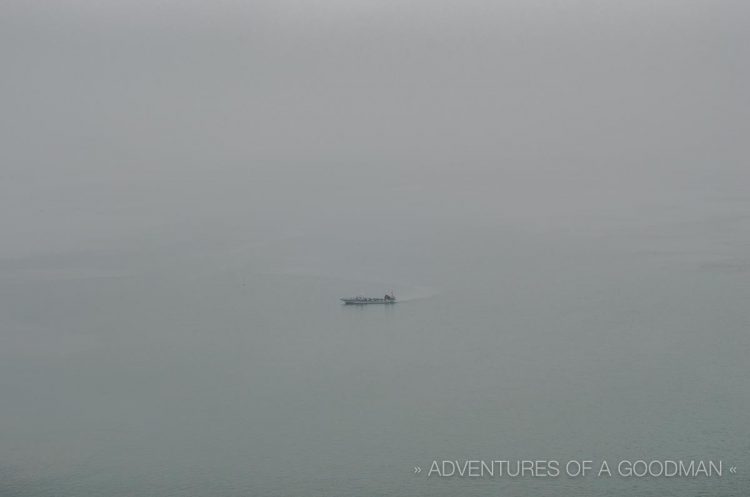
(122, 118)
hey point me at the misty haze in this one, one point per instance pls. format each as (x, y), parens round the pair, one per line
(557, 193)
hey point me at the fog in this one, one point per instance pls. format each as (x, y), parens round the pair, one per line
(531, 177)
(122, 120)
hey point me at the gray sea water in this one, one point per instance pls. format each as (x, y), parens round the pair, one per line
(224, 364)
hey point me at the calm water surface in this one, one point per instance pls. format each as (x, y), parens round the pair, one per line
(219, 361)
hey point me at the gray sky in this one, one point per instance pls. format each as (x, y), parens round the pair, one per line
(123, 120)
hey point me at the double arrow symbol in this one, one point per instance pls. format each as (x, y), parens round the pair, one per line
(417, 469)
(733, 469)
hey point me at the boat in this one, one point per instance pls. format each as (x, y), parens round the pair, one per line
(362, 300)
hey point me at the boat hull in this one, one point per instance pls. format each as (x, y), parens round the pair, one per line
(367, 301)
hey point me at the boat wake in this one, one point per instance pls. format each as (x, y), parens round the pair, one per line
(417, 293)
